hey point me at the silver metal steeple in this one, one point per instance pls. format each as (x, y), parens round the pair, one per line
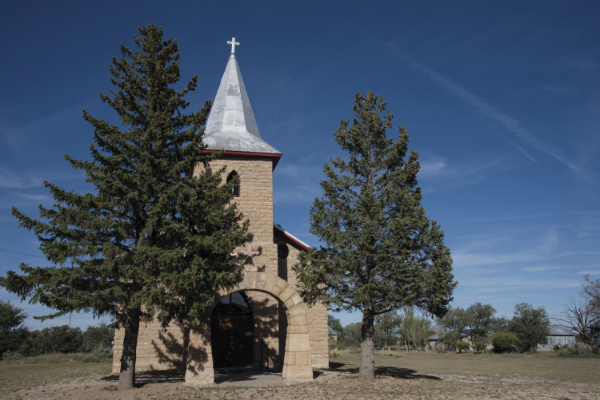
(231, 125)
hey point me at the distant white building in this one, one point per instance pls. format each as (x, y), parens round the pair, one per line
(558, 336)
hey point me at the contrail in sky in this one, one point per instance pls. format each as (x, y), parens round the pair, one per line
(522, 150)
(508, 122)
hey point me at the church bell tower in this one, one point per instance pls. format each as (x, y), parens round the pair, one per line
(231, 127)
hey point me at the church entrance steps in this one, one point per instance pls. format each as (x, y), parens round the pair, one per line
(251, 377)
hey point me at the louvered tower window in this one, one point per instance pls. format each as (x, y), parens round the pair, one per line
(236, 188)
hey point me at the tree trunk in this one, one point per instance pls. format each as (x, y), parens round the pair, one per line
(186, 343)
(132, 327)
(367, 353)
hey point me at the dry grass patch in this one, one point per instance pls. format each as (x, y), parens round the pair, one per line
(17, 377)
(406, 376)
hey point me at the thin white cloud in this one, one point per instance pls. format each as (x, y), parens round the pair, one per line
(11, 180)
(587, 215)
(36, 197)
(301, 194)
(432, 167)
(586, 62)
(558, 89)
(298, 171)
(509, 123)
(541, 268)
(462, 259)
(489, 258)
(545, 249)
(437, 173)
(17, 136)
(522, 150)
(502, 284)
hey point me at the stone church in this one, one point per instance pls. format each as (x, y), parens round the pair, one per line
(262, 323)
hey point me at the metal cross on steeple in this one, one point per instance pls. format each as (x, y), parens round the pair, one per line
(233, 43)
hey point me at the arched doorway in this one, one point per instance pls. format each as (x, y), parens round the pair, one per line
(297, 359)
(232, 332)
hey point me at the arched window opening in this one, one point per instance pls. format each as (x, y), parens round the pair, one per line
(283, 251)
(236, 187)
(234, 303)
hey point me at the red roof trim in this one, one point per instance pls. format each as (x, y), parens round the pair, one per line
(290, 238)
(297, 243)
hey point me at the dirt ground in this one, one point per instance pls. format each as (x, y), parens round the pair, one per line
(410, 376)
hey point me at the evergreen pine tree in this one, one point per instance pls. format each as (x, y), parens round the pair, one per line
(12, 329)
(381, 252)
(151, 241)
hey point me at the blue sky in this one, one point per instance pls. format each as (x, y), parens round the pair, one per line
(501, 100)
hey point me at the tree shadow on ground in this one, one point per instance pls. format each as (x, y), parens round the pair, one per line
(148, 377)
(392, 372)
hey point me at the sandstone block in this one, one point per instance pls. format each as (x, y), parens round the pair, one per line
(298, 342)
(297, 373)
(288, 292)
(290, 358)
(301, 358)
(295, 329)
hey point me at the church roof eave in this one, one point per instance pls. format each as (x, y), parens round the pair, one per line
(292, 238)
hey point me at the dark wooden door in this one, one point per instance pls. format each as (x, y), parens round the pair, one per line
(232, 340)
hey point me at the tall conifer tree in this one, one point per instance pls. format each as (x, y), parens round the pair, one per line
(381, 252)
(151, 241)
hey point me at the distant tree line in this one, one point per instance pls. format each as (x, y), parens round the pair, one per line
(477, 326)
(406, 328)
(15, 337)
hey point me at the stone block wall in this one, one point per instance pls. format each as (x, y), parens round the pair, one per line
(256, 192)
(317, 314)
(319, 341)
(255, 201)
(158, 349)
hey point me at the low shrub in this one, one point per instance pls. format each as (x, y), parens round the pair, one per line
(505, 342)
(11, 356)
(558, 347)
(480, 345)
(90, 359)
(463, 346)
(577, 350)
